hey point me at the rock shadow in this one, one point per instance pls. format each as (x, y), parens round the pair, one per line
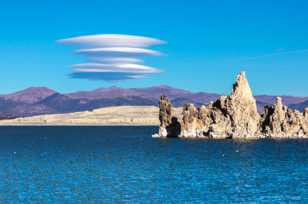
(174, 129)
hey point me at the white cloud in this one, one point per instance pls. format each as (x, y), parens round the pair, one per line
(116, 59)
(113, 56)
(118, 50)
(113, 40)
(123, 68)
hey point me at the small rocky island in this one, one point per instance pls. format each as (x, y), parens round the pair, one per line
(233, 117)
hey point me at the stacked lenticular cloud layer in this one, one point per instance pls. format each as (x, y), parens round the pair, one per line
(112, 57)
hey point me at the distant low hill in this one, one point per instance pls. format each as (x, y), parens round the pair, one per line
(41, 100)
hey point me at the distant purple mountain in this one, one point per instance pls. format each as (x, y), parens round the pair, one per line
(300, 106)
(41, 100)
(291, 101)
(29, 95)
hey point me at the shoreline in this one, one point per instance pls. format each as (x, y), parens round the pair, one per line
(108, 116)
(75, 125)
(157, 126)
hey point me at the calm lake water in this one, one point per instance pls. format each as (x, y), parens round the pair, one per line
(125, 165)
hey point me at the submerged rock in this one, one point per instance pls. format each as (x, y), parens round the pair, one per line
(234, 116)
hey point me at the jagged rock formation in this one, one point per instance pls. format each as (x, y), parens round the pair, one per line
(280, 121)
(234, 116)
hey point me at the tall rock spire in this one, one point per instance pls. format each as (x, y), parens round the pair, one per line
(241, 107)
(241, 89)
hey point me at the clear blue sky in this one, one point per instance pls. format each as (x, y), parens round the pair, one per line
(208, 42)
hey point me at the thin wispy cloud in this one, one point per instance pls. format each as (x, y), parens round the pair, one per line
(113, 57)
(280, 52)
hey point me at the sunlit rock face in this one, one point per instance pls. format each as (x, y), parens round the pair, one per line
(234, 116)
(221, 125)
(191, 124)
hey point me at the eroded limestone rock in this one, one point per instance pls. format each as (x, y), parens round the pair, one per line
(234, 116)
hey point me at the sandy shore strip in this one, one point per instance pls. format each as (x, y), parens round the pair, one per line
(117, 115)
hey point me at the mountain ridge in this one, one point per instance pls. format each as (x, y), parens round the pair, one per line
(43, 100)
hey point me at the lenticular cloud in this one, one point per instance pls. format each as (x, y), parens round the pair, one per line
(113, 57)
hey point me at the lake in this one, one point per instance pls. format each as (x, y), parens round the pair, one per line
(126, 165)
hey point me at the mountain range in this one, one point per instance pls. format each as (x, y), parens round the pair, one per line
(42, 100)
